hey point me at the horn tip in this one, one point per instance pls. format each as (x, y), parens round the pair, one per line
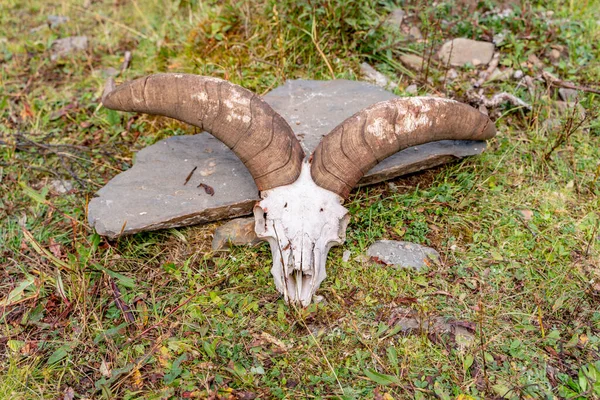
(490, 130)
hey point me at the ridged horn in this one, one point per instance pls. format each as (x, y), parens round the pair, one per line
(259, 136)
(368, 137)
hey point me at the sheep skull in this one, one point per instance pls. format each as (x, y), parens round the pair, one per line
(301, 213)
(301, 222)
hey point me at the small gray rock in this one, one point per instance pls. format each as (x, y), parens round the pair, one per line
(499, 38)
(415, 33)
(396, 17)
(63, 47)
(109, 72)
(392, 187)
(451, 74)
(346, 255)
(535, 61)
(559, 112)
(550, 124)
(238, 232)
(402, 254)
(60, 186)
(370, 74)
(555, 56)
(412, 61)
(57, 20)
(411, 89)
(566, 109)
(501, 75)
(568, 94)
(461, 333)
(458, 52)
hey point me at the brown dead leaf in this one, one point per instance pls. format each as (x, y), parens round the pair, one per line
(469, 326)
(188, 394)
(242, 395)
(405, 300)
(175, 65)
(69, 394)
(55, 248)
(378, 260)
(207, 189)
(551, 351)
(29, 348)
(26, 112)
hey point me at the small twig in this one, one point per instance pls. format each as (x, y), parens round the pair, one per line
(526, 225)
(447, 67)
(568, 131)
(498, 99)
(121, 305)
(552, 80)
(70, 171)
(126, 61)
(482, 344)
(313, 36)
(189, 176)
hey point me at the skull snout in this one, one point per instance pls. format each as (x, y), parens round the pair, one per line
(300, 272)
(301, 222)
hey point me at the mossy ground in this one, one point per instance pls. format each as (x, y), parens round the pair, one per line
(155, 315)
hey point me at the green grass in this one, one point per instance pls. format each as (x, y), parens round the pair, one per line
(155, 315)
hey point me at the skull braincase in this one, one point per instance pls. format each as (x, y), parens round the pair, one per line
(301, 222)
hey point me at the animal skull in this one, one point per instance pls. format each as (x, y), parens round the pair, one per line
(301, 222)
(301, 213)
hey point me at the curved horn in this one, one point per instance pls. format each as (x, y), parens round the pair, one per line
(259, 136)
(368, 137)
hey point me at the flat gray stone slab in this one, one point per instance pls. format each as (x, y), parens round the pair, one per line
(402, 254)
(152, 194)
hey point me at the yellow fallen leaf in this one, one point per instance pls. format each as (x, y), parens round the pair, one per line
(136, 377)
